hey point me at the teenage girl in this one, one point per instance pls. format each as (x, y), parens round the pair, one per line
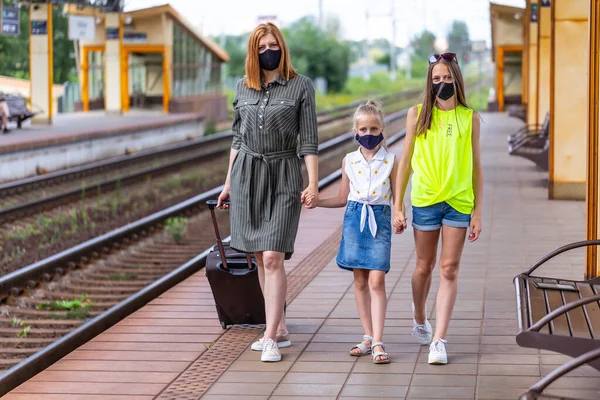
(442, 149)
(367, 187)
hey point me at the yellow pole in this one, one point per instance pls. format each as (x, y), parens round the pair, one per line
(85, 79)
(124, 63)
(525, 57)
(166, 89)
(40, 62)
(50, 63)
(593, 268)
(532, 62)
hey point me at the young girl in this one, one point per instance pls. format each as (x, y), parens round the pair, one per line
(442, 147)
(368, 185)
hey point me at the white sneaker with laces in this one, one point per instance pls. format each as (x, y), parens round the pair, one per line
(270, 351)
(283, 340)
(437, 352)
(423, 332)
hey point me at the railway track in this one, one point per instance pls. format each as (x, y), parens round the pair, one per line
(51, 307)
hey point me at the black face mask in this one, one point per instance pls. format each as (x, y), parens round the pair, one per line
(443, 90)
(269, 59)
(369, 141)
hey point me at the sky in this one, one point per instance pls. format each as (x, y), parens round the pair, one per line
(213, 18)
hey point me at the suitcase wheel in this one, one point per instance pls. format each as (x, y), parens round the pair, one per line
(223, 325)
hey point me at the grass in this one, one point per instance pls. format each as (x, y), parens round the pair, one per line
(124, 276)
(81, 314)
(24, 332)
(176, 228)
(77, 304)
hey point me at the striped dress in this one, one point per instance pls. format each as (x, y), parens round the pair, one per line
(272, 129)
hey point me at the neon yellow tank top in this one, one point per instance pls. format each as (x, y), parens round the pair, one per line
(442, 161)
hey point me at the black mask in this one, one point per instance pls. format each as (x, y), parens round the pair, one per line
(269, 59)
(369, 141)
(443, 90)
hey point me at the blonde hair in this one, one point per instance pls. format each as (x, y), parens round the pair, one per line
(372, 107)
(285, 69)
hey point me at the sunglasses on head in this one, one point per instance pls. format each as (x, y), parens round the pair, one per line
(446, 56)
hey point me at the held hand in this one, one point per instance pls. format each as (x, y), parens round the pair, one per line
(475, 229)
(399, 222)
(310, 197)
(310, 202)
(223, 197)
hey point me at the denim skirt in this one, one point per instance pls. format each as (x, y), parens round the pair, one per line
(360, 249)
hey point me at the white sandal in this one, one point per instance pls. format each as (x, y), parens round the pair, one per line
(376, 354)
(364, 349)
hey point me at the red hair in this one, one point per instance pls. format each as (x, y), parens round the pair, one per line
(285, 69)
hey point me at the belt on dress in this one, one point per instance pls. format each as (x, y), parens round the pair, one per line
(267, 158)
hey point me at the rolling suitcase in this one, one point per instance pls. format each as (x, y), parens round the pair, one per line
(233, 278)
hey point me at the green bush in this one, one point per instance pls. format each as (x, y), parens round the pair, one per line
(176, 228)
(211, 128)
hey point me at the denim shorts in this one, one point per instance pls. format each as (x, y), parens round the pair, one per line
(360, 249)
(431, 218)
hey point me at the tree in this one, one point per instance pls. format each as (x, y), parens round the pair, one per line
(384, 60)
(14, 51)
(314, 52)
(63, 49)
(423, 46)
(459, 41)
(236, 47)
(317, 53)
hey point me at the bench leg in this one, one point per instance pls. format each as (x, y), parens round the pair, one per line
(19, 123)
(539, 387)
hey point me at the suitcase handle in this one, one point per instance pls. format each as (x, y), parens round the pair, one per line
(211, 206)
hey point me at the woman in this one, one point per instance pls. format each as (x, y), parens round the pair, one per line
(442, 147)
(4, 113)
(273, 106)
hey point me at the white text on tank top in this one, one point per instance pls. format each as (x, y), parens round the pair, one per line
(370, 183)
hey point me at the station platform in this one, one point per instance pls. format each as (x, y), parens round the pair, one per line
(78, 138)
(174, 348)
(68, 128)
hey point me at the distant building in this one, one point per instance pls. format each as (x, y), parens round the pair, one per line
(164, 63)
(507, 54)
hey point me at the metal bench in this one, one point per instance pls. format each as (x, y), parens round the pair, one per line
(518, 112)
(535, 391)
(534, 147)
(559, 315)
(536, 150)
(530, 130)
(17, 108)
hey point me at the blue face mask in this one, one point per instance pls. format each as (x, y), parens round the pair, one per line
(369, 142)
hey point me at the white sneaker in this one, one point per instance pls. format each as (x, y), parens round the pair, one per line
(283, 340)
(423, 332)
(270, 351)
(437, 352)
